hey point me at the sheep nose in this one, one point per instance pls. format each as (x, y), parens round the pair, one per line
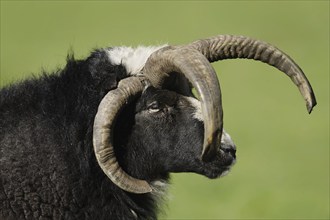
(229, 149)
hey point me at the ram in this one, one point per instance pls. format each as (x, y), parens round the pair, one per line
(99, 138)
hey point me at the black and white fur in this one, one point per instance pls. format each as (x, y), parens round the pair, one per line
(47, 165)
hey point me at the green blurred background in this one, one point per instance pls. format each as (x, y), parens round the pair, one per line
(283, 153)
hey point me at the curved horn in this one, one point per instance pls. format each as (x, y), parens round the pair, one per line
(105, 118)
(194, 66)
(231, 47)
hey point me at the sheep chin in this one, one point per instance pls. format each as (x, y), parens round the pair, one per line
(224, 173)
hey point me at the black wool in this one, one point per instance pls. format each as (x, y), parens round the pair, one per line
(47, 164)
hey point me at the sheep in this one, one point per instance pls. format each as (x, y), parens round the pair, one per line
(99, 138)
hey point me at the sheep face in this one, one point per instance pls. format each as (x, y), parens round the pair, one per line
(166, 135)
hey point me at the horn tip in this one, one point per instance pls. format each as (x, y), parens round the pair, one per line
(310, 106)
(147, 190)
(143, 187)
(311, 103)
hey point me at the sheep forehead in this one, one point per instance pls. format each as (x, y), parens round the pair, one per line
(133, 59)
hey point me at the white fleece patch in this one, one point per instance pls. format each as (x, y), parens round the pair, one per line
(196, 104)
(133, 59)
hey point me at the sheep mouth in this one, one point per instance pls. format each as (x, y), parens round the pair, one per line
(217, 172)
(221, 165)
(225, 156)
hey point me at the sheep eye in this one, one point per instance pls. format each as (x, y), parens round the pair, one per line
(154, 107)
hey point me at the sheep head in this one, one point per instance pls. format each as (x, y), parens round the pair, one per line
(187, 66)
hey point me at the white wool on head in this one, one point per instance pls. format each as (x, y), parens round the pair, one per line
(133, 59)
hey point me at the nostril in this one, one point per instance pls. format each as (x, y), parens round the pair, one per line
(229, 149)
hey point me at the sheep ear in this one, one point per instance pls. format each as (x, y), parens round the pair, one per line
(108, 111)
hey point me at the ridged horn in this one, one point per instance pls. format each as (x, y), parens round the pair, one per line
(108, 110)
(230, 47)
(197, 69)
